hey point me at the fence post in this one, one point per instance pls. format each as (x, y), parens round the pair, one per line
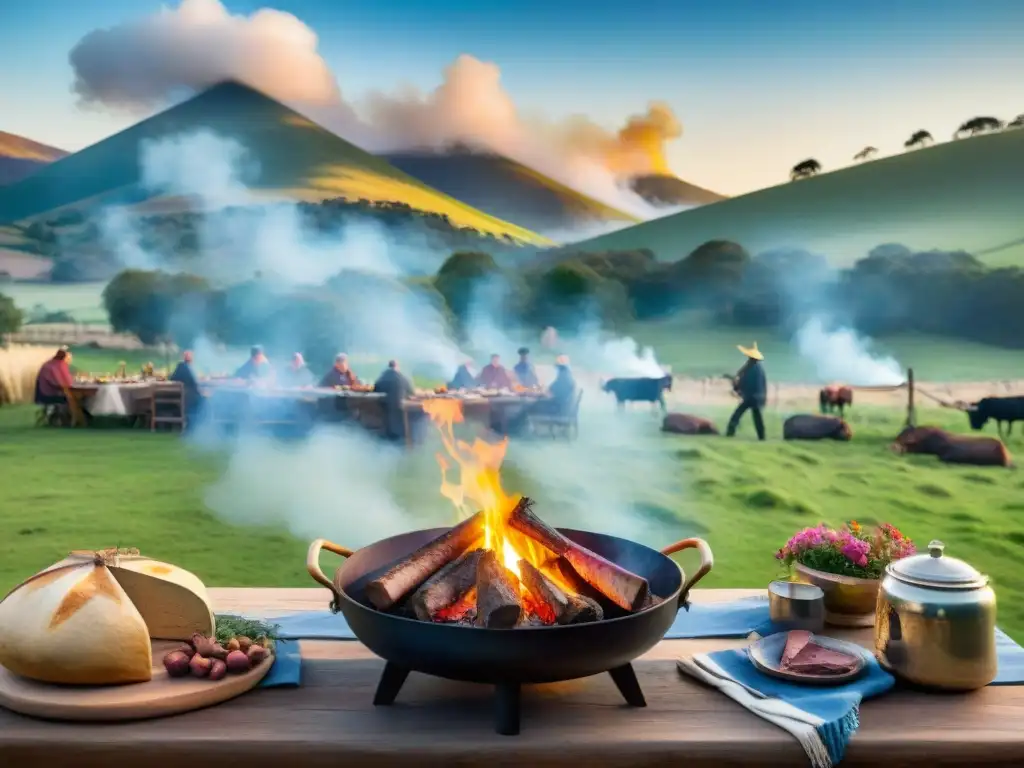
(911, 411)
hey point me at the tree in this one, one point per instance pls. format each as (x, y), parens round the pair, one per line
(1017, 122)
(867, 153)
(571, 294)
(977, 125)
(805, 169)
(156, 306)
(462, 276)
(10, 316)
(918, 139)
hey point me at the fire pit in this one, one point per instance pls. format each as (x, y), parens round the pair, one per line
(502, 598)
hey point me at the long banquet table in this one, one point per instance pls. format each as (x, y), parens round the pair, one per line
(330, 720)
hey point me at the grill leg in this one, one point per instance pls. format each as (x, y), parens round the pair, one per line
(391, 681)
(506, 709)
(625, 680)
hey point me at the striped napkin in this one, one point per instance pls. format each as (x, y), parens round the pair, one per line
(822, 719)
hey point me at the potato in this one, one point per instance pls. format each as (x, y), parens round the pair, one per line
(238, 663)
(218, 669)
(200, 666)
(233, 645)
(257, 653)
(176, 663)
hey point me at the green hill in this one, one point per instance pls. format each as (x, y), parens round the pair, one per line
(298, 160)
(21, 157)
(506, 189)
(966, 194)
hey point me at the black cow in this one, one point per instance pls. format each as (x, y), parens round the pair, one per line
(643, 390)
(999, 409)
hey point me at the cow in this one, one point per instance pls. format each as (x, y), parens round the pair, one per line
(685, 424)
(998, 409)
(953, 449)
(814, 427)
(643, 390)
(835, 397)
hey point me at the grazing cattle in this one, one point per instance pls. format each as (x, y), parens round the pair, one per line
(814, 427)
(953, 449)
(645, 390)
(835, 397)
(998, 409)
(685, 424)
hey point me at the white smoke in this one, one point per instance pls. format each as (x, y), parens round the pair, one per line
(146, 63)
(844, 356)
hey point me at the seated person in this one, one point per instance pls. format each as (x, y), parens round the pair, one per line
(297, 374)
(396, 388)
(340, 374)
(525, 373)
(562, 392)
(256, 367)
(464, 377)
(54, 376)
(494, 376)
(190, 385)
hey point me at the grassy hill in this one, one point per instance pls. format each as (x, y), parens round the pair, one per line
(662, 189)
(20, 157)
(506, 189)
(298, 160)
(966, 194)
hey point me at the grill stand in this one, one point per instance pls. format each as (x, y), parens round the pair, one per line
(506, 704)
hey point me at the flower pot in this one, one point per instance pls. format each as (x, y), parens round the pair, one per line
(849, 601)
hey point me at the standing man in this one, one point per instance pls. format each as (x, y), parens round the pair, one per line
(396, 388)
(751, 385)
(189, 387)
(524, 371)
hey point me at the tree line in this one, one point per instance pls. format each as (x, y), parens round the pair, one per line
(893, 289)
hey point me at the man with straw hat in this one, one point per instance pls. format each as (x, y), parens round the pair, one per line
(751, 385)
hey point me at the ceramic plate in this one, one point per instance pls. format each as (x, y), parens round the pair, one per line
(766, 655)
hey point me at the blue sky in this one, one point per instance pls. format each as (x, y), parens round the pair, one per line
(758, 84)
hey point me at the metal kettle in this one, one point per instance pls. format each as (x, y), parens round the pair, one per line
(935, 622)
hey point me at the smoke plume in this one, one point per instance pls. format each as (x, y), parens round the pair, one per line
(842, 355)
(144, 64)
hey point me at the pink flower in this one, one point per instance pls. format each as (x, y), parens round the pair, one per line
(856, 551)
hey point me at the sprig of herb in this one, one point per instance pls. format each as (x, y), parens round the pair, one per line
(229, 626)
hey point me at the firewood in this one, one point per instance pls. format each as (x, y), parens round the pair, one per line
(498, 605)
(622, 587)
(412, 571)
(445, 587)
(567, 608)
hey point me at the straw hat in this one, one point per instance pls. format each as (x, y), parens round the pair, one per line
(753, 353)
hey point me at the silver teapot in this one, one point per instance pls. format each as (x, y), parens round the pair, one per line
(935, 622)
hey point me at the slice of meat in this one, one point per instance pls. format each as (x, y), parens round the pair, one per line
(814, 659)
(796, 639)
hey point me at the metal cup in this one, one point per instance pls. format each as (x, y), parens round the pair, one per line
(794, 605)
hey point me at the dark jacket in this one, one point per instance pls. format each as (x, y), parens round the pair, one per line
(395, 388)
(463, 379)
(252, 370)
(563, 390)
(183, 373)
(752, 384)
(526, 374)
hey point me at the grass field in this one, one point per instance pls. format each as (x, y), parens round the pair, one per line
(962, 194)
(68, 489)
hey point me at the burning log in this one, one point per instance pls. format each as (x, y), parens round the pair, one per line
(498, 605)
(567, 609)
(413, 570)
(462, 611)
(625, 589)
(446, 587)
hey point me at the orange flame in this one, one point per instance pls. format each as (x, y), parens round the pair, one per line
(478, 486)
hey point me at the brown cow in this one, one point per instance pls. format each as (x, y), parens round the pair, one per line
(813, 427)
(835, 397)
(685, 424)
(953, 449)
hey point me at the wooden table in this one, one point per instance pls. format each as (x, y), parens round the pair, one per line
(330, 720)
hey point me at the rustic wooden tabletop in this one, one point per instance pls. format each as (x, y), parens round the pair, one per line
(330, 720)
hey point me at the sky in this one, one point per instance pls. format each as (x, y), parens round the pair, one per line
(757, 85)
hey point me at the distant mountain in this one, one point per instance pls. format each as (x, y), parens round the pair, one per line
(507, 189)
(664, 190)
(297, 159)
(966, 194)
(20, 157)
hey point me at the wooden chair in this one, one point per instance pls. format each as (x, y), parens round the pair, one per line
(567, 425)
(167, 405)
(74, 408)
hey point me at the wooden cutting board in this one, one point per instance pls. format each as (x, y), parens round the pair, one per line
(161, 696)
